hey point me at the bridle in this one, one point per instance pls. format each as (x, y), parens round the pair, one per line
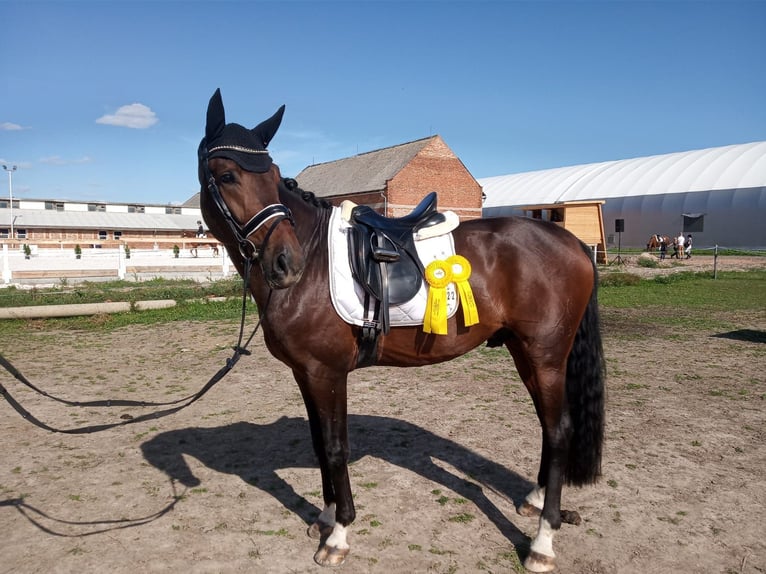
(276, 212)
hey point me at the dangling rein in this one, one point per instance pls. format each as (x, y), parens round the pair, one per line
(439, 274)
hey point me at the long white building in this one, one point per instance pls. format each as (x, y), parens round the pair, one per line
(717, 194)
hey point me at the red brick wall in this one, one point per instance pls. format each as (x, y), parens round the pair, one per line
(435, 168)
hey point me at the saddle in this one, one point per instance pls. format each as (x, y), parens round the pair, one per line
(382, 253)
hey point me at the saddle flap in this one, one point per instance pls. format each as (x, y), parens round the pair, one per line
(372, 253)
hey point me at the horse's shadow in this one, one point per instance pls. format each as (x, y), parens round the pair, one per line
(256, 452)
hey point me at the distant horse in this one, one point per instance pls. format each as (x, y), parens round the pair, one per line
(534, 285)
(195, 246)
(655, 240)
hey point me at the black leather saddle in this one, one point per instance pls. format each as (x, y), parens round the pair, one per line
(383, 256)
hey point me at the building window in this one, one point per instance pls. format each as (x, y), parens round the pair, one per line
(102, 235)
(117, 235)
(5, 233)
(49, 205)
(173, 210)
(5, 204)
(21, 233)
(135, 209)
(96, 207)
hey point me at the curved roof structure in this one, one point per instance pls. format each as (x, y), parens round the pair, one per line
(731, 167)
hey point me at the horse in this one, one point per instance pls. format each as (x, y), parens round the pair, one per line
(193, 249)
(535, 290)
(655, 240)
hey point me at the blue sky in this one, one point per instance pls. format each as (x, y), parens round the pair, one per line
(106, 101)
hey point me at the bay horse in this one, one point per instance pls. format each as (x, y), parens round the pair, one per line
(535, 289)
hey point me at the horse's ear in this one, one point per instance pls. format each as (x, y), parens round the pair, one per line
(266, 129)
(216, 118)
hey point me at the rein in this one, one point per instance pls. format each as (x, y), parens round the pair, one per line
(239, 350)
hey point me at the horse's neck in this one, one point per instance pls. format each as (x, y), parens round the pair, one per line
(311, 224)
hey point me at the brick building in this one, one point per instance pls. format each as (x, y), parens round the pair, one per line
(393, 180)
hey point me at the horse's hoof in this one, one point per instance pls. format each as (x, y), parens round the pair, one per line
(537, 562)
(526, 509)
(571, 517)
(331, 556)
(319, 530)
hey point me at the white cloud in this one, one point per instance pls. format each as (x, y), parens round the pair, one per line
(58, 160)
(10, 127)
(137, 116)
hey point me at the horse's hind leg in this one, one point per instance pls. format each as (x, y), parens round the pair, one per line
(547, 388)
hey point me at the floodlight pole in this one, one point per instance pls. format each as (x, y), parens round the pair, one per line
(10, 171)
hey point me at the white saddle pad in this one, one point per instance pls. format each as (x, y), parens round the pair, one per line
(348, 296)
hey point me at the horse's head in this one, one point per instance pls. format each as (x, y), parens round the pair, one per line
(240, 195)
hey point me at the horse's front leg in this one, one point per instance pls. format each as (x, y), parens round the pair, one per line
(326, 407)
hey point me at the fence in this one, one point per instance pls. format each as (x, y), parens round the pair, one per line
(46, 266)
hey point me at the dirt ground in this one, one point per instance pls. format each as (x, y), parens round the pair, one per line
(441, 455)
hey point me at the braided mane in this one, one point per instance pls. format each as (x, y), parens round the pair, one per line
(307, 196)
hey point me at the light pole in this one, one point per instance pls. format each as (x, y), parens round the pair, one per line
(10, 171)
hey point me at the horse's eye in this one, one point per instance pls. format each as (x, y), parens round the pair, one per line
(227, 177)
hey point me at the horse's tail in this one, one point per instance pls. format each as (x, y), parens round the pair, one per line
(585, 388)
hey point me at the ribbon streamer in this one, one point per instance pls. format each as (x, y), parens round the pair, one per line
(461, 271)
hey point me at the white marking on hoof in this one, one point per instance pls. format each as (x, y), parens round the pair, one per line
(335, 549)
(538, 563)
(536, 497)
(324, 524)
(541, 557)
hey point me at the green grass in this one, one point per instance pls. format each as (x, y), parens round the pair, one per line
(732, 290)
(192, 298)
(98, 292)
(680, 292)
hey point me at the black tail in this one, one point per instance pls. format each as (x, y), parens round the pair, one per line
(586, 376)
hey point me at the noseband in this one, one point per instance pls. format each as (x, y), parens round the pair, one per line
(276, 213)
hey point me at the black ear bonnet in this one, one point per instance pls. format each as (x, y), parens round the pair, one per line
(235, 142)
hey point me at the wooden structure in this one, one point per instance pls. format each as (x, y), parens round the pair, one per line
(583, 218)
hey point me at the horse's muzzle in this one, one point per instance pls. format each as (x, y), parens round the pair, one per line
(283, 268)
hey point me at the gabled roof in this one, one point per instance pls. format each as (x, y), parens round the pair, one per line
(740, 166)
(361, 173)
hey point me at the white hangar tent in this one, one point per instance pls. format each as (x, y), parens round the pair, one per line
(716, 194)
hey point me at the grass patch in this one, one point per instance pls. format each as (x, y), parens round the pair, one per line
(733, 290)
(99, 292)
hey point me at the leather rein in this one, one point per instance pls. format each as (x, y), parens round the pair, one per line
(275, 213)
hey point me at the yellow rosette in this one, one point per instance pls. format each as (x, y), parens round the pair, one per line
(461, 271)
(438, 275)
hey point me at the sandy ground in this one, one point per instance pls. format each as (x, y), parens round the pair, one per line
(441, 455)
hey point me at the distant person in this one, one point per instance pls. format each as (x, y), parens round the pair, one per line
(663, 248)
(675, 249)
(200, 230)
(688, 249)
(680, 244)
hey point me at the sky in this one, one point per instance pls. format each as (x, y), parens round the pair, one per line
(106, 100)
